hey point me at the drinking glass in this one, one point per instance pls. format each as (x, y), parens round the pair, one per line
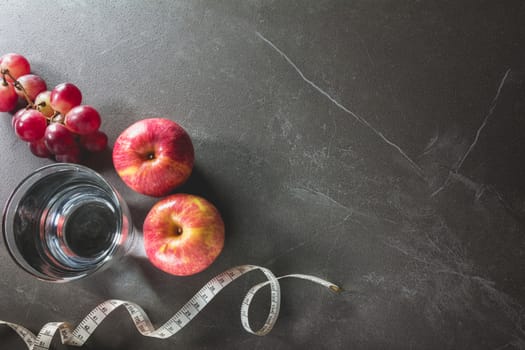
(64, 222)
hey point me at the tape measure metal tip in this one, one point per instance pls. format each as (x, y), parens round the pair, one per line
(335, 289)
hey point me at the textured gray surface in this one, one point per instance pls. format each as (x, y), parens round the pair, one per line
(378, 144)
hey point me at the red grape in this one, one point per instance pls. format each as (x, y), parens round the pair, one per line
(32, 84)
(82, 120)
(31, 125)
(94, 142)
(64, 97)
(8, 97)
(39, 148)
(58, 139)
(16, 64)
(16, 116)
(73, 155)
(43, 105)
(54, 124)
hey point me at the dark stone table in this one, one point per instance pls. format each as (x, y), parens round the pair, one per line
(377, 144)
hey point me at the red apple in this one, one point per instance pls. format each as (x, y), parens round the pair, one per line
(183, 234)
(153, 156)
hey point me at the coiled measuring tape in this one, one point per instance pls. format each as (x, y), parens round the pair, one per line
(79, 335)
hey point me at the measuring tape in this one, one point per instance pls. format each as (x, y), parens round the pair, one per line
(79, 335)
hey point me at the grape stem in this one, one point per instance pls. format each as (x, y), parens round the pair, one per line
(17, 86)
(57, 118)
(4, 80)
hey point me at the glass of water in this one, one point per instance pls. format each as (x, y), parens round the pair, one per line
(64, 222)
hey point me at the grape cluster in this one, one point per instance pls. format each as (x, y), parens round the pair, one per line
(53, 123)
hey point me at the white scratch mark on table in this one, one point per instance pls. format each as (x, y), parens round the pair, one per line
(485, 120)
(478, 133)
(360, 119)
(314, 196)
